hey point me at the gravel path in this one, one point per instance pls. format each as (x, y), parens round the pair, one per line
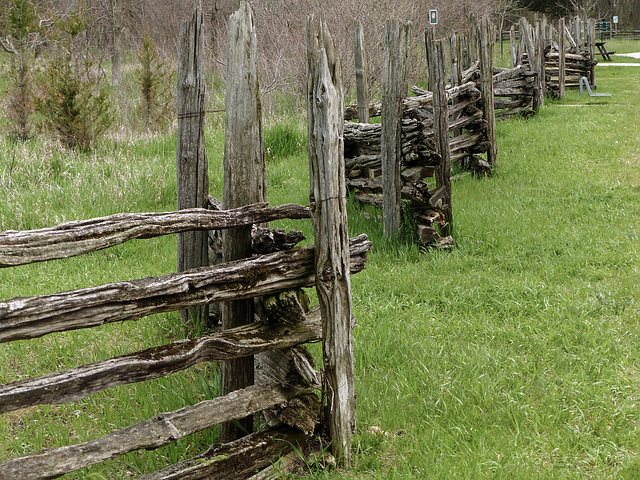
(618, 64)
(632, 55)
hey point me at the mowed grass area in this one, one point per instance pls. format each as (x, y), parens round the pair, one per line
(516, 355)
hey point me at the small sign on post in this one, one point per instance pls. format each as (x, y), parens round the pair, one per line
(615, 19)
(433, 17)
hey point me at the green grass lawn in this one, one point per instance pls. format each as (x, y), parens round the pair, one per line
(516, 355)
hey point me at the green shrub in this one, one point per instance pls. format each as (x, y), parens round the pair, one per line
(155, 87)
(23, 29)
(75, 106)
(74, 102)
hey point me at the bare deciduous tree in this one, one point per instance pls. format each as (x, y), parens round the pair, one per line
(585, 9)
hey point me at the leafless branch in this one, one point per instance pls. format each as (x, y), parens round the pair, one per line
(7, 45)
(46, 22)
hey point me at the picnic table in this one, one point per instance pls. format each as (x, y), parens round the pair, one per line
(602, 50)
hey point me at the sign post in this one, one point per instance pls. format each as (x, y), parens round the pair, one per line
(433, 17)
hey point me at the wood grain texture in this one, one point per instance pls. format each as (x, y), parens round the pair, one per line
(245, 182)
(394, 89)
(423, 99)
(33, 317)
(239, 459)
(591, 51)
(528, 48)
(76, 383)
(191, 158)
(84, 236)
(150, 434)
(437, 69)
(561, 59)
(362, 88)
(333, 276)
(486, 72)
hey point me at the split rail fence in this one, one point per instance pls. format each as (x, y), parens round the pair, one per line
(420, 136)
(560, 54)
(286, 392)
(390, 164)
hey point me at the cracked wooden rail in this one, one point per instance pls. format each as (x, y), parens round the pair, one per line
(148, 434)
(77, 383)
(33, 317)
(83, 236)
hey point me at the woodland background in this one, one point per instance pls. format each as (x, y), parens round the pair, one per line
(110, 34)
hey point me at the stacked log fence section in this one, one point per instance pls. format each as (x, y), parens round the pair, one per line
(286, 392)
(425, 168)
(558, 54)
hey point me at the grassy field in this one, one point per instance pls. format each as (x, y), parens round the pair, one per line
(516, 355)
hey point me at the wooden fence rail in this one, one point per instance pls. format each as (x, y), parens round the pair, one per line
(77, 383)
(242, 458)
(85, 236)
(33, 317)
(558, 56)
(149, 434)
(419, 157)
(464, 116)
(23, 318)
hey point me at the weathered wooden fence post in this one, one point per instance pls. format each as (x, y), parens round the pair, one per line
(561, 60)
(456, 53)
(473, 37)
(465, 59)
(325, 111)
(191, 158)
(514, 46)
(577, 28)
(456, 70)
(486, 75)
(244, 184)
(362, 89)
(540, 58)
(591, 44)
(526, 41)
(394, 89)
(437, 75)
